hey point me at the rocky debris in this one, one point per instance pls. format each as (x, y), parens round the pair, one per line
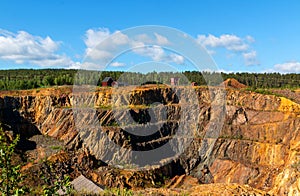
(45, 147)
(83, 185)
(203, 174)
(58, 165)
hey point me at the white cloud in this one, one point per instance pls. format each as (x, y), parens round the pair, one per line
(146, 39)
(146, 45)
(101, 44)
(211, 52)
(98, 54)
(95, 36)
(75, 65)
(26, 48)
(250, 58)
(117, 64)
(161, 40)
(143, 38)
(177, 58)
(53, 61)
(288, 67)
(120, 39)
(157, 53)
(231, 43)
(250, 39)
(86, 65)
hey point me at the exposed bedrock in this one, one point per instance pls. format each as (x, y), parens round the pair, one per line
(257, 142)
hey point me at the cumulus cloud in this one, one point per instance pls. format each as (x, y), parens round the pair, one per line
(97, 54)
(75, 65)
(95, 36)
(177, 58)
(231, 43)
(157, 53)
(102, 46)
(26, 48)
(104, 52)
(85, 66)
(157, 39)
(288, 67)
(144, 38)
(117, 64)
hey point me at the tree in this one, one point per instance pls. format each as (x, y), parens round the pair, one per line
(11, 178)
(48, 81)
(57, 180)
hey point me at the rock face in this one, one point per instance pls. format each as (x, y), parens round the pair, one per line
(258, 142)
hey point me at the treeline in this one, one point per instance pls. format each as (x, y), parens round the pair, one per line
(266, 80)
(29, 78)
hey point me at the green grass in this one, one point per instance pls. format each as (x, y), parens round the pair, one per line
(260, 91)
(104, 107)
(117, 192)
(56, 147)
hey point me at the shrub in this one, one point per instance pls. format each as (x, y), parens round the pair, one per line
(11, 178)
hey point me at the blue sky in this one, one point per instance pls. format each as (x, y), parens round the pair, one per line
(246, 35)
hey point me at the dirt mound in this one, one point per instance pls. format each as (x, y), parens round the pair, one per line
(231, 82)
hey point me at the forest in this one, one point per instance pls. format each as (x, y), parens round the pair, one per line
(30, 78)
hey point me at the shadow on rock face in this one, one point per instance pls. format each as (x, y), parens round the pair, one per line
(140, 117)
(152, 127)
(15, 121)
(25, 144)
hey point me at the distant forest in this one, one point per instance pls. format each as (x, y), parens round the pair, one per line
(30, 79)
